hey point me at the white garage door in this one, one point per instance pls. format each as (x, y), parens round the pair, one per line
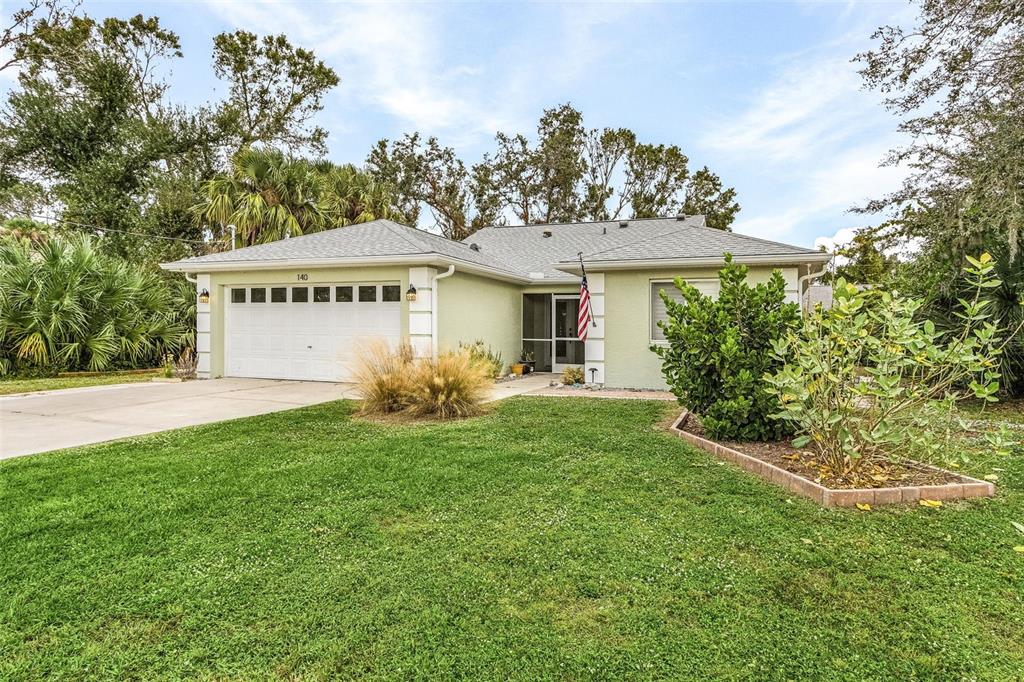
(311, 332)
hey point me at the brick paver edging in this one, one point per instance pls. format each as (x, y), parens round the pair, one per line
(831, 497)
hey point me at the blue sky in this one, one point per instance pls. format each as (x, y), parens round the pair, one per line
(762, 92)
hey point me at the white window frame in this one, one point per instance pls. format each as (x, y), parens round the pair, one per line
(670, 285)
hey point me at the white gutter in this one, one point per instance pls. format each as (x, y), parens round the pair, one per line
(312, 263)
(435, 308)
(653, 263)
(806, 278)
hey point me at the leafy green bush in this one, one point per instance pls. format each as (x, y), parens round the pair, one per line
(572, 375)
(867, 384)
(719, 350)
(484, 355)
(66, 305)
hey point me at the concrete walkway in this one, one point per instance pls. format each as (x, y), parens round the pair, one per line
(528, 384)
(40, 422)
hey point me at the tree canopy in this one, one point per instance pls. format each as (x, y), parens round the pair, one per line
(568, 173)
(91, 137)
(956, 80)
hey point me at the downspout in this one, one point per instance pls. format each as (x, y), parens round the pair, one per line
(810, 275)
(192, 277)
(434, 298)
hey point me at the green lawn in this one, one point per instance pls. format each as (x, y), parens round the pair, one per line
(10, 386)
(555, 538)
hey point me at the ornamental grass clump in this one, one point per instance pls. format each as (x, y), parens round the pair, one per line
(393, 381)
(449, 386)
(383, 377)
(718, 350)
(865, 384)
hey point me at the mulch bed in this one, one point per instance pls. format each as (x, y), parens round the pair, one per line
(804, 462)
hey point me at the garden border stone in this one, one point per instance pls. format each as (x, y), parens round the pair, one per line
(965, 488)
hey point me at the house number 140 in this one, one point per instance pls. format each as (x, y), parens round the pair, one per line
(302, 277)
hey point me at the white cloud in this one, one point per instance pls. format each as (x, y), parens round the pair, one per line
(807, 107)
(813, 140)
(388, 56)
(840, 238)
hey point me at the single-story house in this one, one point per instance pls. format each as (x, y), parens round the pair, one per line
(302, 308)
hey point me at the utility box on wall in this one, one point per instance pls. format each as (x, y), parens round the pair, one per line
(818, 294)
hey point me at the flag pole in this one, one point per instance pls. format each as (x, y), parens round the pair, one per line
(579, 254)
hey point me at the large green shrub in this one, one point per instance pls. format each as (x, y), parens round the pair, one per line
(66, 305)
(719, 350)
(866, 384)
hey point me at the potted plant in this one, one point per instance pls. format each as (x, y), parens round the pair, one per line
(527, 361)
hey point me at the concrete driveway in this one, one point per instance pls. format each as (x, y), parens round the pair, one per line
(41, 422)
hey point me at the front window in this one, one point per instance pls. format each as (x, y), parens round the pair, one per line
(659, 313)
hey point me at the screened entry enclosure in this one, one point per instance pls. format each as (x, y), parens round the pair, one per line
(550, 331)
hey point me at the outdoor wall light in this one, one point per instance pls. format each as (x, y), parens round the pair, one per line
(410, 294)
(204, 296)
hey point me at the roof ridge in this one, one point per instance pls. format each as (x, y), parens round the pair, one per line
(638, 241)
(756, 239)
(589, 222)
(798, 249)
(401, 231)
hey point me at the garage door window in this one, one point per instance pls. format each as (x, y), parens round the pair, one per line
(367, 294)
(321, 294)
(238, 295)
(391, 293)
(343, 294)
(279, 295)
(258, 295)
(300, 295)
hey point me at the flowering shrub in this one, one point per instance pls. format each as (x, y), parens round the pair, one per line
(866, 383)
(719, 350)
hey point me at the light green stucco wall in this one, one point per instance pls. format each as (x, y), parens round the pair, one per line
(472, 307)
(220, 282)
(629, 362)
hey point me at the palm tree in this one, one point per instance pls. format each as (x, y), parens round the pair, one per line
(350, 195)
(64, 304)
(266, 195)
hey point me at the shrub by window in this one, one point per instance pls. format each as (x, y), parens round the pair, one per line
(718, 351)
(659, 312)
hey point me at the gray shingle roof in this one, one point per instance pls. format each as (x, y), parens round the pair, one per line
(526, 248)
(688, 241)
(519, 251)
(375, 238)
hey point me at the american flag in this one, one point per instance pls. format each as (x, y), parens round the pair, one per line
(583, 322)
